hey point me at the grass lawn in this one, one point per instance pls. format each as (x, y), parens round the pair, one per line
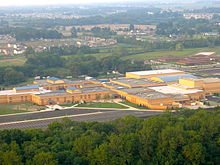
(13, 61)
(97, 55)
(18, 108)
(10, 109)
(67, 105)
(102, 105)
(133, 105)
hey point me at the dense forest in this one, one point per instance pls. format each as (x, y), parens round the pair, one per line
(185, 138)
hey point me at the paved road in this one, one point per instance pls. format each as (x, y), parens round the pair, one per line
(42, 119)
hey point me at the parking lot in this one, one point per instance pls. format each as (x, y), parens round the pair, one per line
(42, 119)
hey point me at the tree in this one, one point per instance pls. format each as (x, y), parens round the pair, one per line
(44, 158)
(128, 124)
(149, 135)
(179, 47)
(29, 50)
(184, 137)
(121, 149)
(10, 158)
(75, 69)
(2, 73)
(131, 27)
(87, 142)
(97, 97)
(107, 97)
(74, 32)
(194, 153)
(13, 77)
(120, 52)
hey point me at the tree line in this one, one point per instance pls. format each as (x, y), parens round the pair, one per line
(68, 50)
(52, 64)
(173, 45)
(29, 33)
(187, 137)
(186, 27)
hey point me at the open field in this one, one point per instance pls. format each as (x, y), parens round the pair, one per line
(152, 55)
(97, 55)
(13, 61)
(185, 52)
(102, 105)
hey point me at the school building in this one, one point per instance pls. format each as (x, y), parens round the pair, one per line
(156, 89)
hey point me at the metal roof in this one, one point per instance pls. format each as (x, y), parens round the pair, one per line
(53, 78)
(26, 87)
(155, 72)
(135, 82)
(71, 88)
(172, 78)
(45, 83)
(152, 95)
(173, 90)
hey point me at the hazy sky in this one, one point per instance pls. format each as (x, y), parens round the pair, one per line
(44, 2)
